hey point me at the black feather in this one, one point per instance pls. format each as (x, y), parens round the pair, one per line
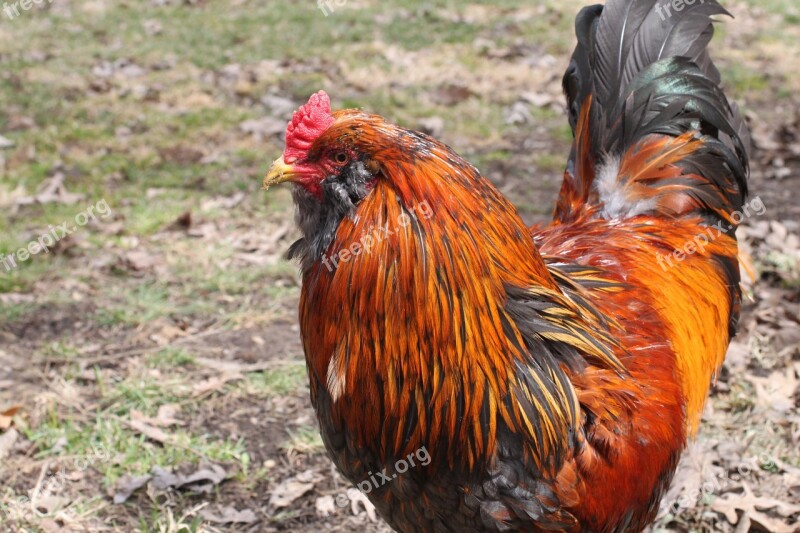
(648, 71)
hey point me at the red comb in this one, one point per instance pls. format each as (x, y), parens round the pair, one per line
(306, 125)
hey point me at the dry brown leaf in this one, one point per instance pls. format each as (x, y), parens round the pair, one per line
(152, 433)
(11, 411)
(7, 441)
(451, 93)
(777, 391)
(164, 418)
(289, 490)
(7, 417)
(738, 356)
(790, 477)
(358, 500)
(694, 470)
(202, 480)
(49, 503)
(756, 509)
(197, 100)
(50, 526)
(215, 383)
(325, 506)
(229, 515)
(182, 155)
(127, 485)
(52, 190)
(139, 260)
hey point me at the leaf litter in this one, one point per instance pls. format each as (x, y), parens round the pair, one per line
(202, 479)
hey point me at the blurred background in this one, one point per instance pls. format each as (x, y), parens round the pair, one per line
(151, 372)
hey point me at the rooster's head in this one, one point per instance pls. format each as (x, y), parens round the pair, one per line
(347, 163)
(329, 153)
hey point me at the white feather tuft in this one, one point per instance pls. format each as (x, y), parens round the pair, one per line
(612, 193)
(336, 380)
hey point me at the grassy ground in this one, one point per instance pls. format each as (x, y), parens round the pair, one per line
(161, 331)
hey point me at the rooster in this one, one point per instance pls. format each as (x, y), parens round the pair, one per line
(552, 376)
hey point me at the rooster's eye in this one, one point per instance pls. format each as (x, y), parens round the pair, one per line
(341, 158)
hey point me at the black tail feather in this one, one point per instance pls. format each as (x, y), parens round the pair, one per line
(640, 69)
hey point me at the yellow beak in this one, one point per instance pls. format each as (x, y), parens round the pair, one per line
(279, 173)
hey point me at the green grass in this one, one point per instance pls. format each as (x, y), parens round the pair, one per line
(282, 380)
(12, 313)
(150, 216)
(63, 350)
(163, 519)
(743, 81)
(171, 358)
(786, 265)
(550, 162)
(148, 301)
(109, 445)
(206, 36)
(786, 9)
(304, 439)
(141, 305)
